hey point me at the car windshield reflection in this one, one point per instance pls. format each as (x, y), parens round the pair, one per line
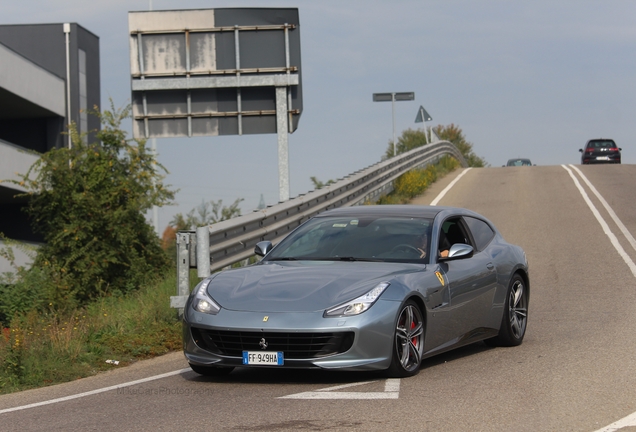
(519, 162)
(390, 239)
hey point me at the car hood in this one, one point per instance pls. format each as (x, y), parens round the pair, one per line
(303, 286)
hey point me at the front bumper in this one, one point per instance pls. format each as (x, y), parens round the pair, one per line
(367, 339)
(606, 159)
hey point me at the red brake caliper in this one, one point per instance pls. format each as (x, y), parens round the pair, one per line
(413, 340)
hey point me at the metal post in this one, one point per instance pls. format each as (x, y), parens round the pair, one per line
(287, 65)
(183, 270)
(283, 153)
(153, 141)
(393, 97)
(393, 111)
(239, 101)
(67, 30)
(203, 252)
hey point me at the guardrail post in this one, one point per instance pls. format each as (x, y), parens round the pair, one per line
(203, 252)
(183, 272)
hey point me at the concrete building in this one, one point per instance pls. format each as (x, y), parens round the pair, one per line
(49, 76)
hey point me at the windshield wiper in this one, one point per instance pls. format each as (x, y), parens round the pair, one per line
(309, 258)
(350, 258)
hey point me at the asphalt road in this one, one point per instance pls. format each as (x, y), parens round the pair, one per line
(576, 370)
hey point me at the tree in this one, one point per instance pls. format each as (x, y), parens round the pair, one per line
(318, 184)
(207, 213)
(88, 202)
(455, 135)
(409, 140)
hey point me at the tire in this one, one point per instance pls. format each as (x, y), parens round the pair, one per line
(211, 371)
(515, 315)
(408, 342)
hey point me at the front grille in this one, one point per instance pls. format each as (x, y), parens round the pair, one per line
(293, 345)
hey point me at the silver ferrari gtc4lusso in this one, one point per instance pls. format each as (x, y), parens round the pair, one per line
(362, 288)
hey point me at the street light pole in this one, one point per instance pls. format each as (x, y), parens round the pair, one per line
(153, 143)
(393, 111)
(385, 97)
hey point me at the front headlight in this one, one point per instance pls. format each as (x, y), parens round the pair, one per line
(202, 301)
(359, 305)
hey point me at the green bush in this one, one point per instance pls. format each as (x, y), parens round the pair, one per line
(89, 202)
(415, 182)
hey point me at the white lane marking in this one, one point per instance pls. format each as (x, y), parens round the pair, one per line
(603, 224)
(617, 221)
(391, 391)
(630, 420)
(94, 392)
(447, 188)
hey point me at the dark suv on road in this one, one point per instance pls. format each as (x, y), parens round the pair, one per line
(600, 150)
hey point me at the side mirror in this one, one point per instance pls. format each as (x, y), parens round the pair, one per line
(458, 251)
(262, 248)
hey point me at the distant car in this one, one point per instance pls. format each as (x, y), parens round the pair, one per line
(355, 288)
(519, 162)
(600, 150)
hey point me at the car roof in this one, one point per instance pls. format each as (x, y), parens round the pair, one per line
(404, 210)
(601, 140)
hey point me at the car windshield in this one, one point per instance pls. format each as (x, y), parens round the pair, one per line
(519, 162)
(601, 144)
(391, 239)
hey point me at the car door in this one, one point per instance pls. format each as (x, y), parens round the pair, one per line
(472, 281)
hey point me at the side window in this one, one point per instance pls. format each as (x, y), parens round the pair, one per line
(482, 233)
(452, 232)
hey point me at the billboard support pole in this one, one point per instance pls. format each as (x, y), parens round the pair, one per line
(283, 152)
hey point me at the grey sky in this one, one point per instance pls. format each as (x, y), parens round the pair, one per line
(531, 79)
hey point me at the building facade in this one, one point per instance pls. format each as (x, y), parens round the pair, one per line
(49, 77)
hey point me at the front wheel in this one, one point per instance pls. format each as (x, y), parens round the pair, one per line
(408, 342)
(515, 316)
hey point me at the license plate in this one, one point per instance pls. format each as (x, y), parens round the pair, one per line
(602, 157)
(263, 358)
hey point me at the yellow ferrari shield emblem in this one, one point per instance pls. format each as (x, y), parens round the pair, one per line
(440, 277)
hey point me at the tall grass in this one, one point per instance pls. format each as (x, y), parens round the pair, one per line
(42, 349)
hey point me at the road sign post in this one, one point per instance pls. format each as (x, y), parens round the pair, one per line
(393, 97)
(422, 117)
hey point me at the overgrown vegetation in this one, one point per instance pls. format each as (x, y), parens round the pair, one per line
(455, 135)
(319, 184)
(97, 288)
(88, 202)
(44, 348)
(415, 182)
(411, 139)
(206, 213)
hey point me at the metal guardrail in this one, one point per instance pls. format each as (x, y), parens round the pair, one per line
(214, 247)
